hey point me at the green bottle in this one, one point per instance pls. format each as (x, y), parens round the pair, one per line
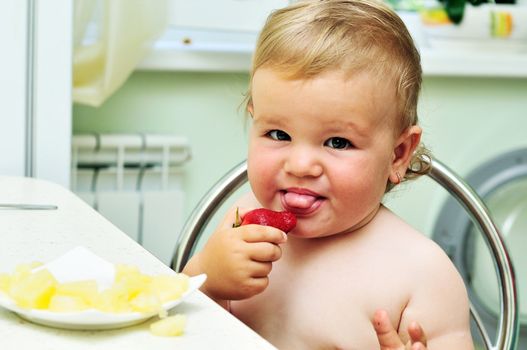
(454, 10)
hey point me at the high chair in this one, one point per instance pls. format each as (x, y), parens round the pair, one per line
(508, 322)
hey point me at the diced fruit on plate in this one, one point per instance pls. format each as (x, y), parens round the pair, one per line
(132, 291)
(54, 295)
(169, 326)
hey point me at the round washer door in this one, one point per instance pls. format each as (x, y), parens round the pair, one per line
(502, 183)
(508, 205)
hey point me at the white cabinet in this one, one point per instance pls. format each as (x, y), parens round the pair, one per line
(35, 89)
(13, 33)
(210, 35)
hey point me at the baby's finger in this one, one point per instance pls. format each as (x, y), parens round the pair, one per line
(265, 252)
(418, 346)
(260, 269)
(259, 233)
(417, 335)
(261, 283)
(386, 334)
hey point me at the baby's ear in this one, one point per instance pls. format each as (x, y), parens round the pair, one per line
(250, 108)
(405, 146)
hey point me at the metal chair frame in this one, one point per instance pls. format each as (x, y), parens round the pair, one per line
(508, 323)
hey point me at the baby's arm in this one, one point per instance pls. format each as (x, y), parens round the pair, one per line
(439, 304)
(238, 260)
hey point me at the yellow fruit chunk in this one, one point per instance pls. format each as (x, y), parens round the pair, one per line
(85, 290)
(22, 271)
(124, 271)
(169, 326)
(169, 287)
(130, 280)
(146, 302)
(5, 281)
(113, 299)
(67, 303)
(33, 290)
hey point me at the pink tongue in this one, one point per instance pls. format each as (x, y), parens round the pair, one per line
(296, 200)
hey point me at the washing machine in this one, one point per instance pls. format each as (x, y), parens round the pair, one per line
(483, 138)
(502, 183)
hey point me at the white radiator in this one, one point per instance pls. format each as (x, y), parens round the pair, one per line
(135, 181)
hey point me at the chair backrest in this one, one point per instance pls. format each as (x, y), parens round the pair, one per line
(508, 323)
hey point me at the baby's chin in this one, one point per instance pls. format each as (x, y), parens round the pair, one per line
(306, 230)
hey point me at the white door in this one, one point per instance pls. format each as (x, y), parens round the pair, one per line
(35, 88)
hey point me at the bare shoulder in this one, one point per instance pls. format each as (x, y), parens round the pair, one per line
(421, 256)
(414, 245)
(243, 201)
(437, 295)
(247, 200)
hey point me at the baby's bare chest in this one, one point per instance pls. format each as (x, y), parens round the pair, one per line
(323, 307)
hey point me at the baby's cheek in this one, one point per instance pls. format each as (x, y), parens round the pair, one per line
(260, 188)
(262, 185)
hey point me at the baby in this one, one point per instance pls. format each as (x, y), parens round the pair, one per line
(333, 105)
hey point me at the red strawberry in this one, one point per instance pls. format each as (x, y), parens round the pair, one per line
(282, 220)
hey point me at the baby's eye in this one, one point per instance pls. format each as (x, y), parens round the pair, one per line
(279, 135)
(338, 143)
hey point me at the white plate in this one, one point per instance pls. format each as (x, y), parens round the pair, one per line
(78, 264)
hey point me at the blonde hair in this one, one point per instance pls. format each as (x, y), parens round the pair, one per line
(314, 36)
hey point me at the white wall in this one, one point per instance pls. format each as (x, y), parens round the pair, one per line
(465, 121)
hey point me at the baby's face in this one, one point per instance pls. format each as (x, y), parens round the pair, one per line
(321, 148)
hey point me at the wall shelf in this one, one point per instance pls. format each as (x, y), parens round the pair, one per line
(224, 51)
(435, 62)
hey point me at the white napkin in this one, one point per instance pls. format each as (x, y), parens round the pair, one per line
(80, 264)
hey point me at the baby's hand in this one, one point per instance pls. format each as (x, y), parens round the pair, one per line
(238, 260)
(390, 340)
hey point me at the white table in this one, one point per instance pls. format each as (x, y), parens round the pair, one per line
(42, 235)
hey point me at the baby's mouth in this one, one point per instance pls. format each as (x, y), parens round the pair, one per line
(300, 201)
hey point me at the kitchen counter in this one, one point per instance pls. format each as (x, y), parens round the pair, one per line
(43, 235)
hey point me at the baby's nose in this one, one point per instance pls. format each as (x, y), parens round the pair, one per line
(302, 162)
